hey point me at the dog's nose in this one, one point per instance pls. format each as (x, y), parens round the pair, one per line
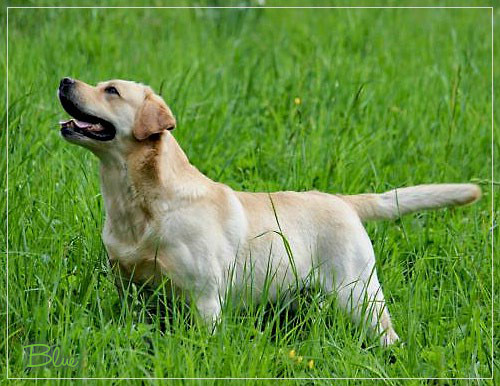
(66, 83)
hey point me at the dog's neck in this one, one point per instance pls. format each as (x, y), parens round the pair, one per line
(154, 178)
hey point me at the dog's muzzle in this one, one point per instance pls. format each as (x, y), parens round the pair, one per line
(82, 124)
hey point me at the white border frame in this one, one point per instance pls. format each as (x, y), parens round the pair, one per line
(254, 7)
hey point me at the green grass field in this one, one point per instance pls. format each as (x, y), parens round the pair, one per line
(388, 98)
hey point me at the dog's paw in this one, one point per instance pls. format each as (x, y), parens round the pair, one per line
(388, 338)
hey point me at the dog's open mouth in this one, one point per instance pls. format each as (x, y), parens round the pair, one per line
(85, 124)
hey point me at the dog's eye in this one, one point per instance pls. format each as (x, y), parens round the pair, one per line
(111, 90)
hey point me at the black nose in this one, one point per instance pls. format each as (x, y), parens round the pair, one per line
(66, 84)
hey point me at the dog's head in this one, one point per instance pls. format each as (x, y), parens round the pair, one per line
(113, 113)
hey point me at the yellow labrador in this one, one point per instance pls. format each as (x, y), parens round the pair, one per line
(165, 219)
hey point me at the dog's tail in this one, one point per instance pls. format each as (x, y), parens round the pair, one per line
(394, 203)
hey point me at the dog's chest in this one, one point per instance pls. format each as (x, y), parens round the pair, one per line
(127, 230)
(127, 236)
(147, 249)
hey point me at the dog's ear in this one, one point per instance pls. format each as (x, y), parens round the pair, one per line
(153, 117)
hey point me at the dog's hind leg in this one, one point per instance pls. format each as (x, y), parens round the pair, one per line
(365, 303)
(351, 274)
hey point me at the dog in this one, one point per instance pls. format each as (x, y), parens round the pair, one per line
(165, 220)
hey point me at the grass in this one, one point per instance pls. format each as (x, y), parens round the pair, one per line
(388, 98)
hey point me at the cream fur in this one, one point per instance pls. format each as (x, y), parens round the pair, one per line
(164, 219)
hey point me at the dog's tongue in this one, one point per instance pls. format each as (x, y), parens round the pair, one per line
(79, 124)
(82, 125)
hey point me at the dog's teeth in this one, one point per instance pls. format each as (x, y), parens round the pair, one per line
(66, 124)
(62, 123)
(96, 128)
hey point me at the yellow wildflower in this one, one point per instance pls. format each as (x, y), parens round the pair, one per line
(291, 354)
(297, 101)
(310, 364)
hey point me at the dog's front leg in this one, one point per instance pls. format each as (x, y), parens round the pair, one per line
(209, 307)
(120, 276)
